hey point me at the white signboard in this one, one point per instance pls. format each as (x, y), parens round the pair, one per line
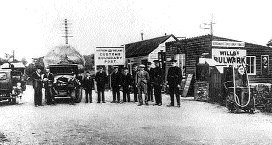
(109, 56)
(228, 44)
(229, 56)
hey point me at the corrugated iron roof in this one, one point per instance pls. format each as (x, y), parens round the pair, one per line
(143, 48)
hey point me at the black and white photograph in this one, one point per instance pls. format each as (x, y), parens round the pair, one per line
(135, 72)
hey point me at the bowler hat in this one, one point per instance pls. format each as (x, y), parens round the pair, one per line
(115, 66)
(156, 61)
(125, 68)
(148, 63)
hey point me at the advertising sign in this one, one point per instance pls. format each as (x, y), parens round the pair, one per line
(228, 44)
(265, 64)
(229, 56)
(109, 56)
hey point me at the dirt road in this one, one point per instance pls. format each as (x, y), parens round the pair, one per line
(193, 123)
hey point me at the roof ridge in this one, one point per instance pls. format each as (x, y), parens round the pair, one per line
(151, 39)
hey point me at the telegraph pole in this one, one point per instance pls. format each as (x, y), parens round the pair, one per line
(210, 26)
(66, 31)
(12, 55)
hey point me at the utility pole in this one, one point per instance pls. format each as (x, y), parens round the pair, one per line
(66, 31)
(13, 55)
(210, 26)
(142, 36)
(211, 29)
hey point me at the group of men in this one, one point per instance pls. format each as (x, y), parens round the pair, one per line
(46, 80)
(144, 80)
(40, 80)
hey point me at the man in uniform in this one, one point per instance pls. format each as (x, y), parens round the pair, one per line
(88, 83)
(135, 89)
(157, 81)
(37, 85)
(126, 83)
(149, 84)
(141, 80)
(115, 85)
(48, 79)
(101, 80)
(174, 79)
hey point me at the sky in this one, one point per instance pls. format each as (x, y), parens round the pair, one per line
(33, 27)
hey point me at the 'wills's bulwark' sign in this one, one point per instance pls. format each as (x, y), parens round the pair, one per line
(229, 56)
(109, 56)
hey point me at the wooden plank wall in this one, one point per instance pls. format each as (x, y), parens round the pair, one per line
(194, 47)
(258, 51)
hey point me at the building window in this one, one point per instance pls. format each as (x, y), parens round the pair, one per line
(251, 65)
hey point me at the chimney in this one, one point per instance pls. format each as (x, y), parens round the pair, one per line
(165, 34)
(142, 36)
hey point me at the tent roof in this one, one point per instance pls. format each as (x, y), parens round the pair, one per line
(63, 53)
(16, 65)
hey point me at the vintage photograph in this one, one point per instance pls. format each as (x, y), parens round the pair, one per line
(135, 72)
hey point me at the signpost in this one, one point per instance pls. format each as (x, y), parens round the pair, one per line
(228, 44)
(229, 56)
(109, 56)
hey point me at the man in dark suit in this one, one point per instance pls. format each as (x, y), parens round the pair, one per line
(88, 83)
(126, 83)
(149, 69)
(174, 80)
(157, 81)
(37, 85)
(115, 84)
(48, 79)
(73, 84)
(135, 89)
(101, 80)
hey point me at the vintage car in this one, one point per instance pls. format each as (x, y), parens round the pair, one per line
(62, 74)
(10, 85)
(64, 62)
(19, 67)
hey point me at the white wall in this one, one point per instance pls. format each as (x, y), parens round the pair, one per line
(154, 54)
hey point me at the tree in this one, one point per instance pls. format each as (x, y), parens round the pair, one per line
(89, 59)
(24, 61)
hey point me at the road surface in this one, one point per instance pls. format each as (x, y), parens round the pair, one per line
(194, 123)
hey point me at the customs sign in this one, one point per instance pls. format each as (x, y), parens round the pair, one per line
(229, 56)
(109, 56)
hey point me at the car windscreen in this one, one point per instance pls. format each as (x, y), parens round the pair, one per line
(3, 76)
(63, 69)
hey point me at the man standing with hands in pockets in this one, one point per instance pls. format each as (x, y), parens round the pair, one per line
(141, 80)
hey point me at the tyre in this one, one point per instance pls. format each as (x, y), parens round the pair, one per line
(12, 101)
